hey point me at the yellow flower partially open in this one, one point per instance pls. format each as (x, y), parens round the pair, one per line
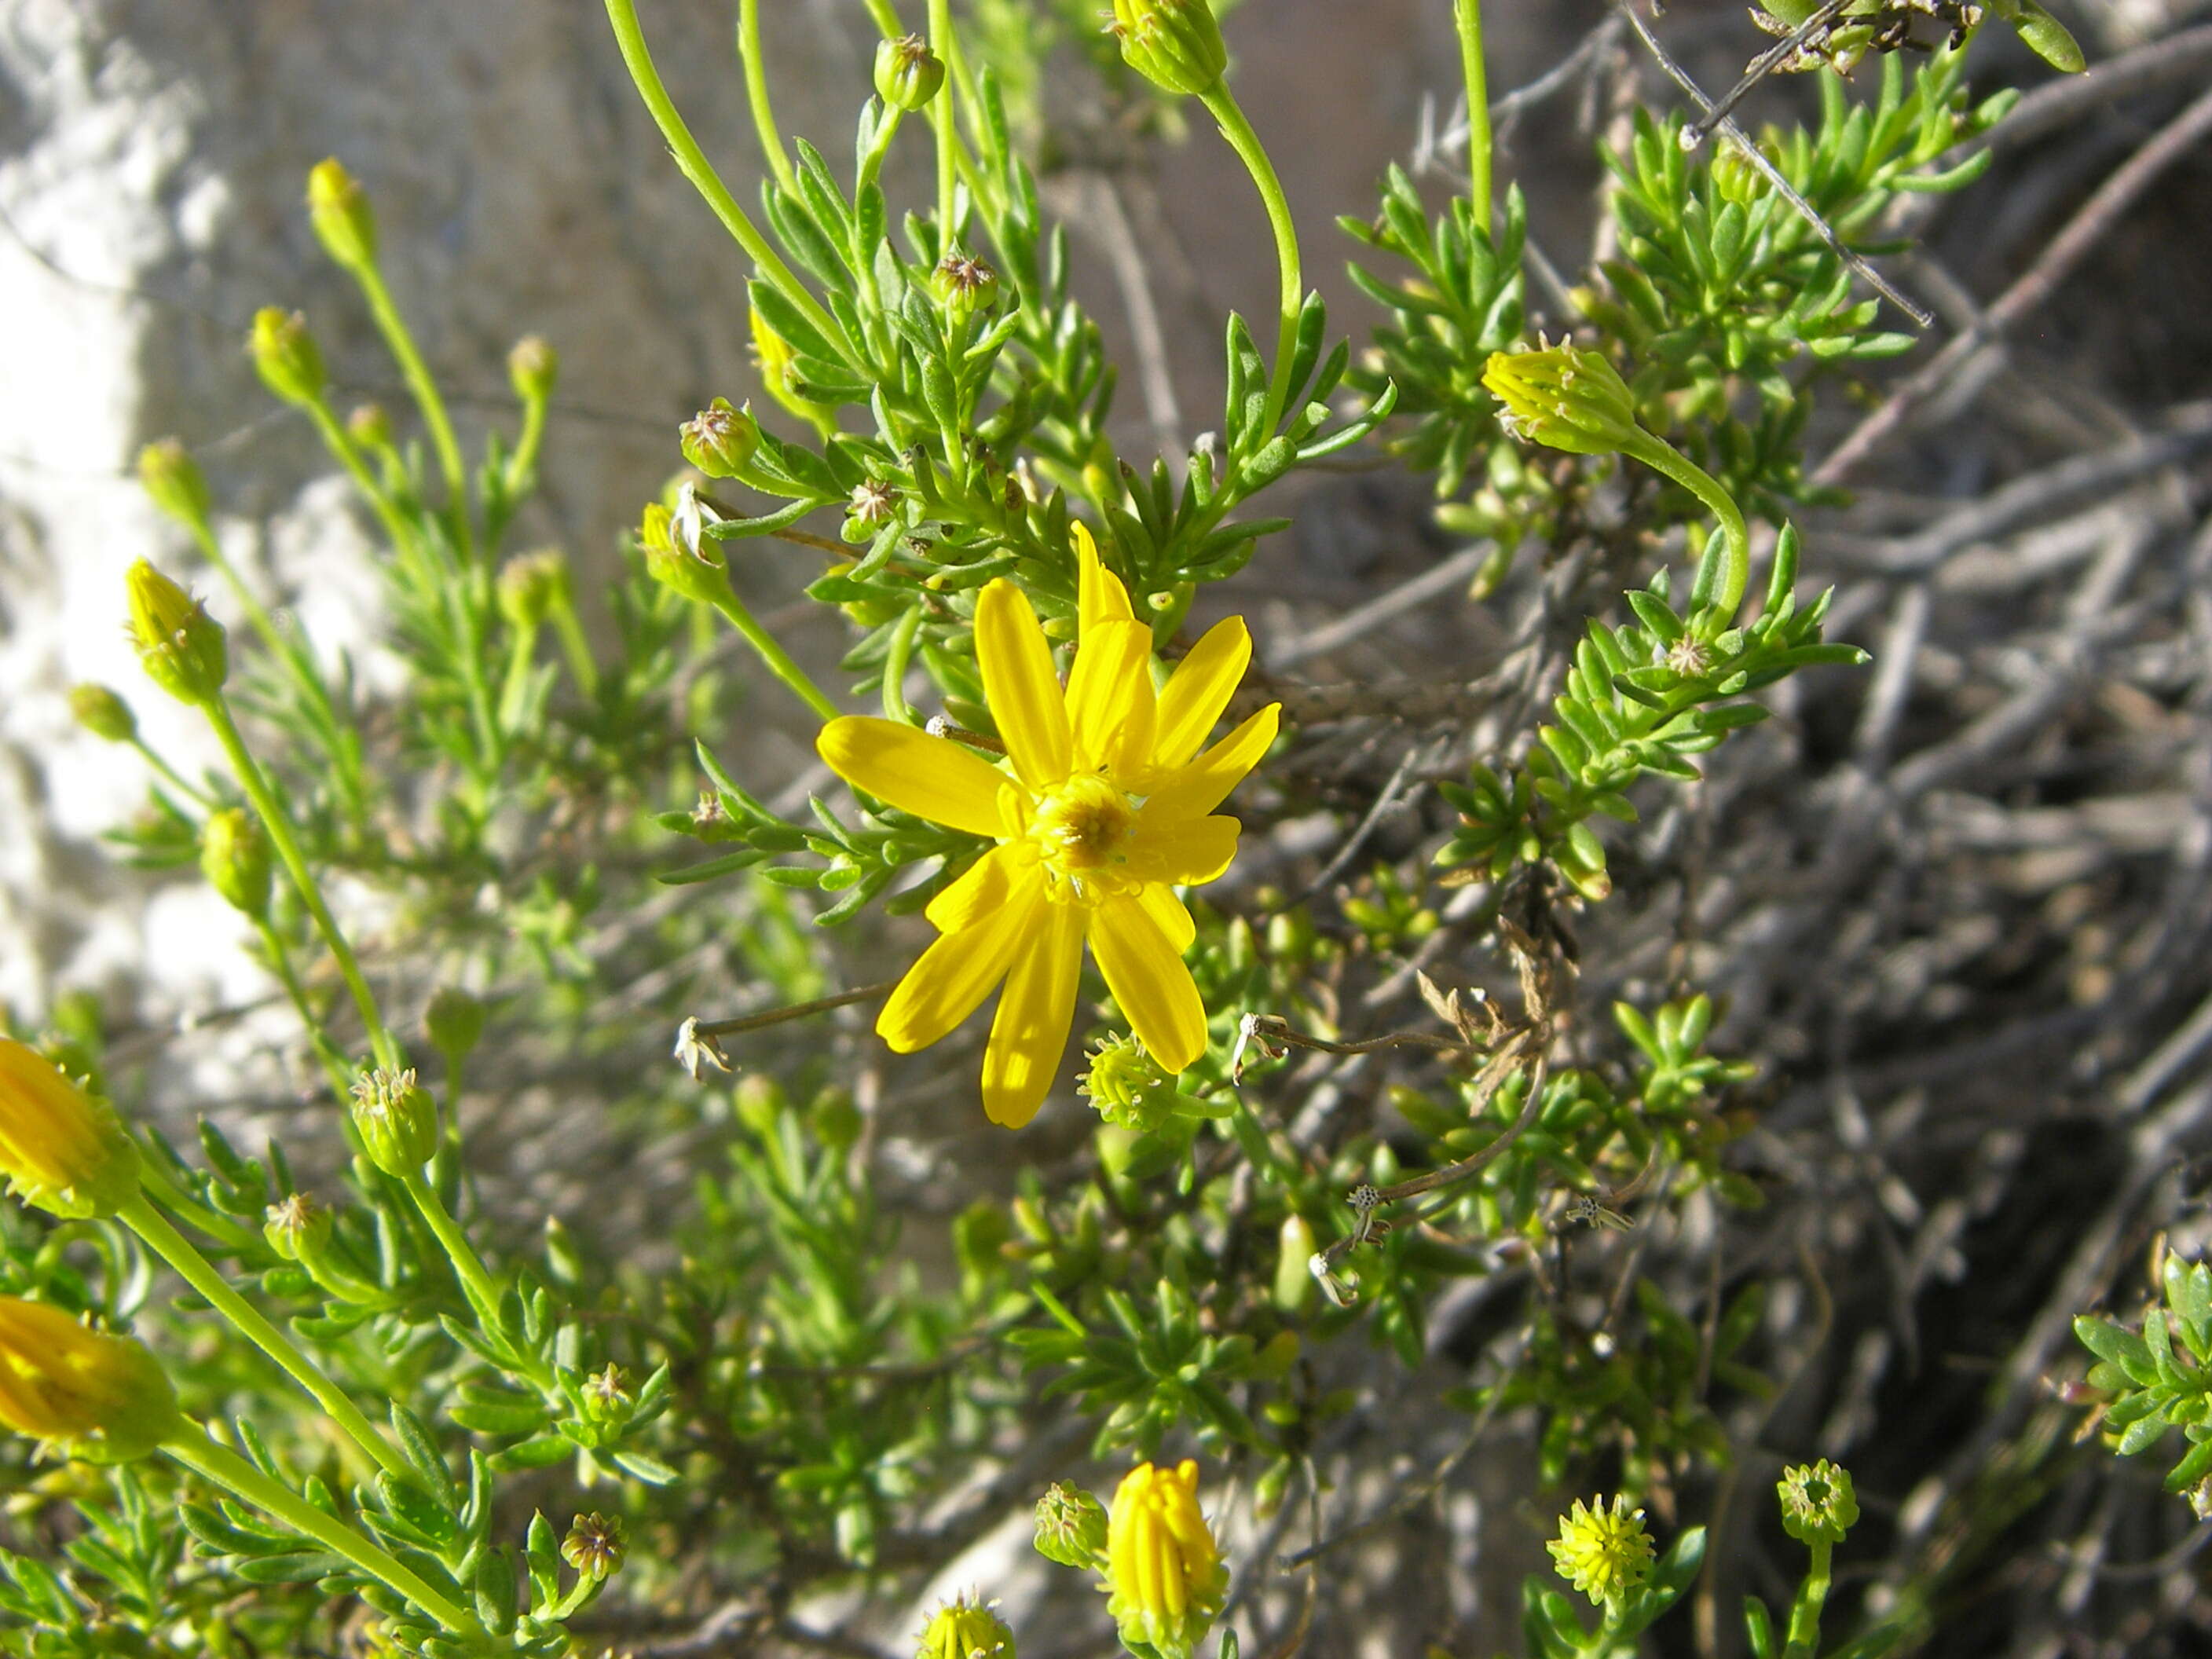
(61, 1382)
(1163, 1569)
(1106, 807)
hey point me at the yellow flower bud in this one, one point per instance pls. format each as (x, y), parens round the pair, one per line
(172, 482)
(180, 646)
(344, 222)
(1603, 1553)
(286, 357)
(1174, 44)
(1563, 398)
(61, 1149)
(103, 713)
(1163, 1569)
(234, 858)
(61, 1382)
(965, 1629)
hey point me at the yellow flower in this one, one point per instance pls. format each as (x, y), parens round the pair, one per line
(1108, 808)
(1162, 1565)
(1603, 1553)
(60, 1149)
(61, 1382)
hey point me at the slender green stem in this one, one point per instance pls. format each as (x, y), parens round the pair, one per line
(475, 1280)
(872, 162)
(948, 139)
(170, 772)
(197, 1271)
(692, 162)
(1812, 1598)
(1246, 143)
(771, 137)
(417, 373)
(199, 1452)
(280, 963)
(777, 660)
(886, 19)
(279, 824)
(896, 658)
(575, 646)
(1663, 457)
(1467, 15)
(373, 491)
(172, 1199)
(522, 464)
(521, 652)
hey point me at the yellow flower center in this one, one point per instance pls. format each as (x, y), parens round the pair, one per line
(1080, 826)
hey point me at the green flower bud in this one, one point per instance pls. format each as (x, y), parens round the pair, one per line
(595, 1545)
(533, 368)
(695, 570)
(63, 1382)
(607, 1396)
(296, 1227)
(102, 712)
(1604, 1553)
(908, 73)
(172, 483)
(369, 427)
(1563, 398)
(286, 356)
(234, 858)
(530, 585)
(1295, 1248)
(965, 1630)
(338, 208)
(180, 646)
(1127, 1087)
(1818, 1503)
(453, 1022)
(963, 284)
(718, 439)
(1071, 1528)
(1174, 44)
(397, 1120)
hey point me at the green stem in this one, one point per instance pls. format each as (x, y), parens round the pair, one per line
(885, 18)
(170, 773)
(522, 464)
(1663, 457)
(692, 162)
(771, 138)
(174, 1248)
(417, 374)
(199, 1452)
(1467, 15)
(1222, 103)
(517, 678)
(475, 1280)
(279, 824)
(280, 963)
(1805, 1611)
(172, 1198)
(777, 660)
(342, 449)
(896, 658)
(948, 139)
(575, 646)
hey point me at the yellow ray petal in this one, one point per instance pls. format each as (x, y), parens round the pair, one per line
(1019, 683)
(933, 778)
(981, 889)
(943, 985)
(1188, 852)
(1199, 690)
(1100, 596)
(1030, 1032)
(1205, 783)
(1169, 914)
(1109, 698)
(1150, 985)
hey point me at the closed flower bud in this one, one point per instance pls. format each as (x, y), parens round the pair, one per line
(61, 1149)
(172, 482)
(718, 439)
(234, 858)
(339, 208)
(533, 368)
(397, 1120)
(1163, 1570)
(296, 1227)
(180, 646)
(1604, 1553)
(369, 427)
(908, 73)
(60, 1382)
(1818, 1503)
(1071, 1528)
(453, 1021)
(530, 585)
(963, 284)
(965, 1629)
(102, 712)
(1174, 44)
(1563, 398)
(286, 356)
(607, 1396)
(695, 571)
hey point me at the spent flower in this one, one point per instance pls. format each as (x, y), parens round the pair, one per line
(1071, 1527)
(397, 1120)
(61, 1382)
(1604, 1552)
(1818, 1503)
(595, 1545)
(720, 439)
(908, 73)
(63, 1149)
(1107, 805)
(1164, 1574)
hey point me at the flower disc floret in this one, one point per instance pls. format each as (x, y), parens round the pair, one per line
(1104, 805)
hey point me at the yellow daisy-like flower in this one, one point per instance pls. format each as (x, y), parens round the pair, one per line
(1163, 1568)
(1107, 806)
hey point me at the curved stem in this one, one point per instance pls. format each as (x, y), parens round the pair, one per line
(1237, 130)
(896, 658)
(281, 836)
(475, 1280)
(948, 141)
(417, 373)
(522, 463)
(771, 138)
(280, 963)
(777, 660)
(1663, 457)
(1466, 15)
(692, 162)
(171, 773)
(570, 631)
(199, 1452)
(349, 457)
(197, 1271)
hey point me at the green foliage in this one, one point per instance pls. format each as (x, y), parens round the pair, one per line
(2158, 1376)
